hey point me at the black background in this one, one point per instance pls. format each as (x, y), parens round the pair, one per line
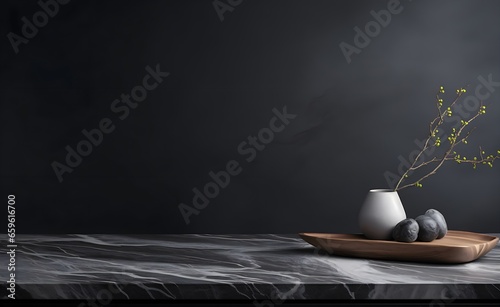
(353, 120)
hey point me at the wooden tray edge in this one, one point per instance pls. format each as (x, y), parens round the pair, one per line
(489, 243)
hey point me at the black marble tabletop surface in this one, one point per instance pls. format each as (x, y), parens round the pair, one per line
(262, 267)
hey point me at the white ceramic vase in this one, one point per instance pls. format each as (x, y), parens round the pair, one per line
(381, 211)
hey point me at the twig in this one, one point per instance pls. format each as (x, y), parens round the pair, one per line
(454, 140)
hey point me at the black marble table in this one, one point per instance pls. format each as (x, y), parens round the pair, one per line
(263, 268)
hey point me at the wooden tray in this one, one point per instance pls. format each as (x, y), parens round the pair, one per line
(455, 247)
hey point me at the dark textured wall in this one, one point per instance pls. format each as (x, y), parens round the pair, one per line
(352, 120)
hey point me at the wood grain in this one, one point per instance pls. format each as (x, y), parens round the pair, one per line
(455, 247)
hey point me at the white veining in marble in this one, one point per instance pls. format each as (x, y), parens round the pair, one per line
(231, 260)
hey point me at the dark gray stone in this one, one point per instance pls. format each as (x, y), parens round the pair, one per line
(406, 231)
(440, 220)
(428, 228)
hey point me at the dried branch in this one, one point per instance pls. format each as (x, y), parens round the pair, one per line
(454, 139)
